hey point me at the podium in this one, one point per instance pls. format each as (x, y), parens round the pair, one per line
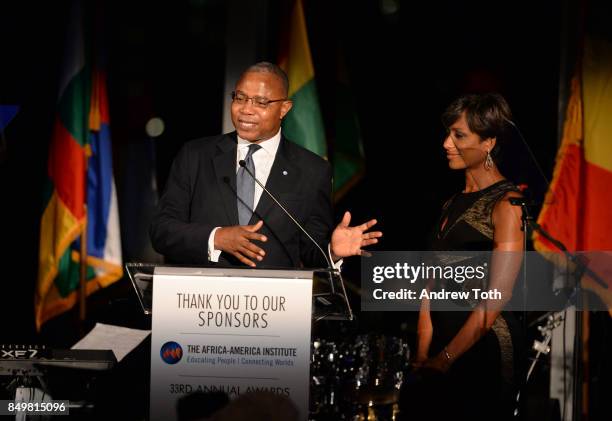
(233, 330)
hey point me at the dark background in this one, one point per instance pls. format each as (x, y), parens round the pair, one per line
(404, 61)
(168, 60)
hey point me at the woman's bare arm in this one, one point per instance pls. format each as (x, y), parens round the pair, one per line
(505, 265)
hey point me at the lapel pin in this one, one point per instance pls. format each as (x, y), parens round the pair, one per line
(285, 172)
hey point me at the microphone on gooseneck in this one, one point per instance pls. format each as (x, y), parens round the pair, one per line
(332, 272)
(242, 163)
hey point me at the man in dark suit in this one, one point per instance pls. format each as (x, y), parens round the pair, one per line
(212, 210)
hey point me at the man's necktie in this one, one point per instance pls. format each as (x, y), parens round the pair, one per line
(245, 187)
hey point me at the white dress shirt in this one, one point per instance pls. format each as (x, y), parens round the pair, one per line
(263, 159)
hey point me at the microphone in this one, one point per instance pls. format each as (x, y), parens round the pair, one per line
(332, 272)
(243, 165)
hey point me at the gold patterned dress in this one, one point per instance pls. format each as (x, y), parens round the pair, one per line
(482, 383)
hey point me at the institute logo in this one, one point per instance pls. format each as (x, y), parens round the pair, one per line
(171, 352)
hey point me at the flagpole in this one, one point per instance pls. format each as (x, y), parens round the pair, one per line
(586, 325)
(83, 253)
(83, 271)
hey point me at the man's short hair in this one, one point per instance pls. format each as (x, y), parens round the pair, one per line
(267, 67)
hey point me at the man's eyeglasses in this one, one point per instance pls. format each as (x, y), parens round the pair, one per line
(257, 101)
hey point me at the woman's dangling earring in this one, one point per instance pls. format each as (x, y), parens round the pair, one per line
(488, 164)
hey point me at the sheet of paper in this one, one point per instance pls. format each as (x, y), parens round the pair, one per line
(121, 340)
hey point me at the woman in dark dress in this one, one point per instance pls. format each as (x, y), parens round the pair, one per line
(474, 354)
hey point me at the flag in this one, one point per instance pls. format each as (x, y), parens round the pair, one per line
(7, 113)
(348, 155)
(303, 124)
(79, 172)
(578, 205)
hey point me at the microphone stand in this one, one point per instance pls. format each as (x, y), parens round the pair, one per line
(331, 271)
(580, 268)
(526, 218)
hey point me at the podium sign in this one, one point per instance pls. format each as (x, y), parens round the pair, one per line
(230, 330)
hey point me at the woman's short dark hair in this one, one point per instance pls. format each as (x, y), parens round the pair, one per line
(487, 115)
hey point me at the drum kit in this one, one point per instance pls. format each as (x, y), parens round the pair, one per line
(357, 379)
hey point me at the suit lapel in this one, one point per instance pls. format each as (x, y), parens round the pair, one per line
(224, 164)
(284, 176)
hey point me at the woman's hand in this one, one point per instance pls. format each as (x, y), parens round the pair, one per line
(437, 363)
(417, 363)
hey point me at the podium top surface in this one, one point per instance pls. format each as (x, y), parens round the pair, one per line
(141, 275)
(242, 272)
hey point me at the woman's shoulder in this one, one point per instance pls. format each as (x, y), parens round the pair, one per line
(504, 209)
(503, 187)
(498, 193)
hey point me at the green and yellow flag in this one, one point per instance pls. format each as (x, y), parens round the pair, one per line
(348, 155)
(304, 124)
(79, 172)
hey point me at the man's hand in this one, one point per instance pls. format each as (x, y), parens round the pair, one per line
(236, 240)
(348, 241)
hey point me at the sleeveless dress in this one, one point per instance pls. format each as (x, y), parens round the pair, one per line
(482, 383)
